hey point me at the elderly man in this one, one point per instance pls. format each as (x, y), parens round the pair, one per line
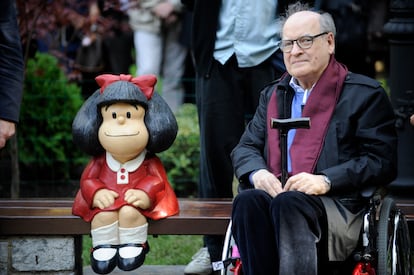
(350, 148)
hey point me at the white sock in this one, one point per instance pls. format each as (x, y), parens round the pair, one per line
(132, 235)
(107, 234)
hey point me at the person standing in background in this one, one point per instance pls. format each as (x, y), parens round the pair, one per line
(234, 44)
(352, 19)
(157, 27)
(106, 43)
(90, 60)
(118, 39)
(11, 71)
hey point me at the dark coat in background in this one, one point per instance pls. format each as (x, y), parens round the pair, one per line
(11, 63)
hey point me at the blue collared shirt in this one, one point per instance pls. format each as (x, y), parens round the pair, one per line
(247, 29)
(298, 102)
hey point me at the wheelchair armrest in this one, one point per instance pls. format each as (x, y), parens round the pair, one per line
(368, 192)
(372, 191)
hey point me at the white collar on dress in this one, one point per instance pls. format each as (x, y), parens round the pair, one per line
(130, 165)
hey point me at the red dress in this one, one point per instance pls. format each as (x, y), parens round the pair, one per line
(150, 177)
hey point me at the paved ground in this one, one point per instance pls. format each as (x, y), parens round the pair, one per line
(145, 270)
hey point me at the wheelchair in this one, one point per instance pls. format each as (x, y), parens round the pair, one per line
(384, 247)
(384, 243)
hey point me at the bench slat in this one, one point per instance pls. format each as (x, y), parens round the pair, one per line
(196, 217)
(407, 207)
(54, 217)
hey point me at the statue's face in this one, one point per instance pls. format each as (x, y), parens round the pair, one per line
(123, 132)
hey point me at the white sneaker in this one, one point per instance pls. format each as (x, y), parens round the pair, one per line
(200, 264)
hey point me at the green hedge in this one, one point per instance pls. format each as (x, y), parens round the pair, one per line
(50, 103)
(181, 160)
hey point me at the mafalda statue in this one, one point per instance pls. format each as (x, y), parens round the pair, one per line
(122, 125)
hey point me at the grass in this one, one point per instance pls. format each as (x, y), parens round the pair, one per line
(164, 250)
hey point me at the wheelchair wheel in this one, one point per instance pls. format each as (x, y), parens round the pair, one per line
(393, 241)
(226, 254)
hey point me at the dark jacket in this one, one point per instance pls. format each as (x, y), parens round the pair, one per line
(359, 153)
(11, 63)
(360, 148)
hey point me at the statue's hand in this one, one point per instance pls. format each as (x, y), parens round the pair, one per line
(104, 198)
(137, 198)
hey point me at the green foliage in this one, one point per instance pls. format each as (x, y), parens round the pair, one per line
(45, 131)
(384, 84)
(181, 160)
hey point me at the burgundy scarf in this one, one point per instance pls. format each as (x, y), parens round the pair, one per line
(307, 143)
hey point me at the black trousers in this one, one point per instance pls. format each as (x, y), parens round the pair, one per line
(226, 99)
(281, 235)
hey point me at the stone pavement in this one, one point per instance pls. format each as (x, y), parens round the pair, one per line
(145, 270)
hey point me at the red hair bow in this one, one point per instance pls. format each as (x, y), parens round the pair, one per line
(145, 82)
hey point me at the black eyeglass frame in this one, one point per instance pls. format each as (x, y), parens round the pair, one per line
(311, 37)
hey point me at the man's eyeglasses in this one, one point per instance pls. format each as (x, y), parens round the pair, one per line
(304, 42)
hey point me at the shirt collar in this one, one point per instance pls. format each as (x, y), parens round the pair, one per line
(130, 165)
(298, 89)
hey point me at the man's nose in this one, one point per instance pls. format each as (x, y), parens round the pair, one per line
(296, 48)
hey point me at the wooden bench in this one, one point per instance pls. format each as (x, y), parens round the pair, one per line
(54, 217)
(40, 217)
(407, 207)
(44, 218)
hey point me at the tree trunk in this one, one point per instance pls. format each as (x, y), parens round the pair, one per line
(15, 171)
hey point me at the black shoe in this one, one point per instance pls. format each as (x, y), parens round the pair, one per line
(128, 264)
(104, 267)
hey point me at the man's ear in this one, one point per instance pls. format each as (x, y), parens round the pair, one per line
(331, 42)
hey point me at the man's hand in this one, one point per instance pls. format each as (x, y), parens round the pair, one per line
(165, 11)
(104, 198)
(7, 130)
(307, 183)
(264, 180)
(137, 198)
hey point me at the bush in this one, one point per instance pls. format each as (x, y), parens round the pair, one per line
(181, 160)
(49, 105)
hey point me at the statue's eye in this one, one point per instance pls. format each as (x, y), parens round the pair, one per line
(114, 115)
(128, 114)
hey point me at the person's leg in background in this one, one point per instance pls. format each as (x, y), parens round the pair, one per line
(189, 70)
(221, 120)
(148, 52)
(174, 55)
(222, 101)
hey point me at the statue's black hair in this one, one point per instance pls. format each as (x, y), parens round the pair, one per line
(159, 119)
